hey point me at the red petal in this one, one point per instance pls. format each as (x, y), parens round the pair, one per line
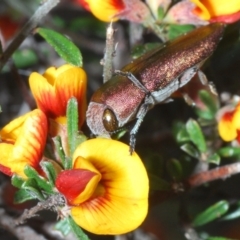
(72, 182)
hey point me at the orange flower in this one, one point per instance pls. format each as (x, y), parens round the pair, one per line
(229, 123)
(55, 87)
(112, 10)
(107, 188)
(23, 141)
(221, 10)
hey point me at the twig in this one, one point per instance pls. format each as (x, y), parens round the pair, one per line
(41, 12)
(21, 232)
(109, 54)
(214, 174)
(52, 203)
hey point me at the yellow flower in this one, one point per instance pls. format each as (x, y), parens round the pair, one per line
(22, 143)
(112, 10)
(55, 87)
(107, 188)
(221, 10)
(229, 124)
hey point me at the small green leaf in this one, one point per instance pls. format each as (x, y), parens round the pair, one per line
(24, 58)
(17, 181)
(77, 230)
(161, 13)
(234, 214)
(176, 30)
(31, 186)
(58, 145)
(220, 238)
(139, 50)
(210, 101)
(211, 213)
(174, 168)
(63, 226)
(62, 45)
(23, 195)
(191, 150)
(196, 135)
(183, 136)
(72, 124)
(214, 158)
(158, 184)
(50, 172)
(205, 114)
(229, 151)
(41, 182)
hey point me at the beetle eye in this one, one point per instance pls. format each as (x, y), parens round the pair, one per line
(110, 121)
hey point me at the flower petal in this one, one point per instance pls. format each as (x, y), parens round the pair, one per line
(72, 82)
(201, 10)
(53, 90)
(105, 10)
(29, 145)
(77, 185)
(226, 128)
(121, 201)
(5, 153)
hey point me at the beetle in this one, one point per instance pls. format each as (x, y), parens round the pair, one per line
(149, 80)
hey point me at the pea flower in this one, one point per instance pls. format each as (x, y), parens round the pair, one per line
(22, 143)
(55, 87)
(112, 10)
(218, 11)
(229, 123)
(107, 189)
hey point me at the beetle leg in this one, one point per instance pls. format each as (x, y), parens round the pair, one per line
(133, 79)
(203, 79)
(148, 103)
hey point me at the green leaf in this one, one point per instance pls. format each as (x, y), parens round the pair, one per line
(31, 186)
(50, 172)
(24, 58)
(210, 101)
(205, 114)
(229, 151)
(72, 124)
(214, 158)
(63, 226)
(17, 181)
(196, 135)
(183, 136)
(174, 168)
(158, 184)
(234, 214)
(139, 50)
(191, 150)
(220, 238)
(77, 230)
(23, 195)
(58, 145)
(211, 213)
(41, 182)
(176, 30)
(62, 45)
(161, 13)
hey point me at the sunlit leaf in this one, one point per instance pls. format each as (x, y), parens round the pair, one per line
(77, 230)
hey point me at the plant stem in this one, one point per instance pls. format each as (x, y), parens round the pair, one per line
(41, 12)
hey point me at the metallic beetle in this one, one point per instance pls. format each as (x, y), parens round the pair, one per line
(149, 80)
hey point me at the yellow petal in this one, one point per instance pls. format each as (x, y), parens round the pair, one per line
(12, 130)
(105, 10)
(29, 144)
(5, 154)
(121, 201)
(201, 10)
(221, 7)
(226, 128)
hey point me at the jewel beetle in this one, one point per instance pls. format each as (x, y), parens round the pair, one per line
(149, 80)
